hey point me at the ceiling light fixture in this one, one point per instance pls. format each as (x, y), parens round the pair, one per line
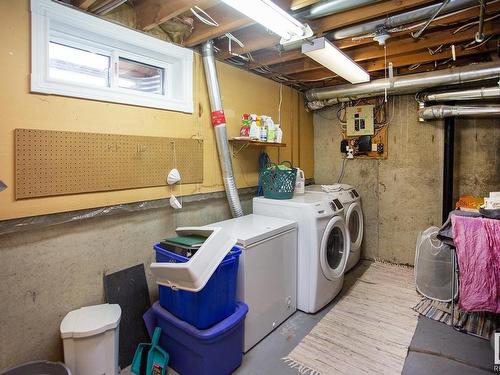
(331, 57)
(273, 18)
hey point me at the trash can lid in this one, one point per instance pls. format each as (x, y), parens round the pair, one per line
(90, 320)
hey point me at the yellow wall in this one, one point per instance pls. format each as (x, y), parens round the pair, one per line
(241, 92)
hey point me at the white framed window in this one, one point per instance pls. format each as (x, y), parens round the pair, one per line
(79, 55)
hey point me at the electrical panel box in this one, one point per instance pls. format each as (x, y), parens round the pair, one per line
(359, 120)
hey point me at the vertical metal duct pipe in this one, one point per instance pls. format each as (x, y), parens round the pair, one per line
(448, 162)
(219, 124)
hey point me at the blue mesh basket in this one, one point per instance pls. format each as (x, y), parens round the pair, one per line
(278, 183)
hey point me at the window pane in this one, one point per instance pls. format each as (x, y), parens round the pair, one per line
(141, 77)
(78, 66)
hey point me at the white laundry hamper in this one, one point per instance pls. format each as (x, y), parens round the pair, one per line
(90, 339)
(433, 267)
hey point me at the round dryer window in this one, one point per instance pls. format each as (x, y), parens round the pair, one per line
(355, 225)
(334, 249)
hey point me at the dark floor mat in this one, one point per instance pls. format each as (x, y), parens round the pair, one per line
(129, 289)
(437, 344)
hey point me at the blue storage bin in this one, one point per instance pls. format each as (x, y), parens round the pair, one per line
(215, 302)
(214, 351)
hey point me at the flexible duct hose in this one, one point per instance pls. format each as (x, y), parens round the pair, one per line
(219, 124)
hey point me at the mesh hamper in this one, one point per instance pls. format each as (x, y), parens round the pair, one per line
(433, 266)
(279, 183)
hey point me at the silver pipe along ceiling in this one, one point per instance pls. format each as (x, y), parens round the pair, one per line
(219, 124)
(443, 111)
(400, 19)
(462, 95)
(411, 83)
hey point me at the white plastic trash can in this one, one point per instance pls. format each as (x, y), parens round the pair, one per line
(90, 339)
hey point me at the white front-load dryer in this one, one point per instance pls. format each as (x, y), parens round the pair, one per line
(353, 214)
(323, 245)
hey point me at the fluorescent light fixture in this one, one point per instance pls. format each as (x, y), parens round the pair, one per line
(334, 59)
(273, 18)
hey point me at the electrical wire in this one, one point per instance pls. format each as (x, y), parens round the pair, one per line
(342, 171)
(207, 20)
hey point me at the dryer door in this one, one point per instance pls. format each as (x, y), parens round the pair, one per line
(354, 220)
(334, 250)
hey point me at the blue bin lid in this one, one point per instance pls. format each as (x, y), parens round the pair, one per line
(156, 312)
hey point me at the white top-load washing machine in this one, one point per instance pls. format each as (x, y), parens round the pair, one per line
(267, 273)
(323, 245)
(353, 214)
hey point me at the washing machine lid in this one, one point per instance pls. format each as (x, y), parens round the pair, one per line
(298, 200)
(253, 228)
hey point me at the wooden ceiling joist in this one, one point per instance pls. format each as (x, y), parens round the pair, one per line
(151, 13)
(228, 19)
(394, 48)
(84, 4)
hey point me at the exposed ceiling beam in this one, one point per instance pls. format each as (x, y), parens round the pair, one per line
(270, 58)
(394, 48)
(299, 4)
(256, 37)
(84, 4)
(151, 13)
(229, 20)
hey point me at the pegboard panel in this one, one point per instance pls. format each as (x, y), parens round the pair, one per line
(52, 163)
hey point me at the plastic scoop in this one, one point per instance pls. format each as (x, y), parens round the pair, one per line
(150, 359)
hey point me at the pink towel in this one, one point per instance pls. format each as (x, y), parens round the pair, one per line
(478, 250)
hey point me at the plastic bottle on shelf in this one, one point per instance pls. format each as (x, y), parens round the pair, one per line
(254, 129)
(263, 129)
(271, 130)
(279, 133)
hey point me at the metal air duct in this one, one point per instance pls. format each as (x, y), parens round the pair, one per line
(219, 124)
(411, 83)
(329, 7)
(400, 19)
(474, 94)
(444, 111)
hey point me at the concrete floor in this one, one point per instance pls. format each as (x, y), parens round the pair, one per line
(435, 348)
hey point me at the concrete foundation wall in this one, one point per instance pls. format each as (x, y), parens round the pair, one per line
(48, 272)
(402, 195)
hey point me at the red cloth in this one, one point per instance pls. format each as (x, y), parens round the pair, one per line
(477, 241)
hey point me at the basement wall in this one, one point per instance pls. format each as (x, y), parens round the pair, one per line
(241, 92)
(402, 195)
(48, 272)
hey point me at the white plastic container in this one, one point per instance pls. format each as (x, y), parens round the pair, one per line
(300, 182)
(90, 339)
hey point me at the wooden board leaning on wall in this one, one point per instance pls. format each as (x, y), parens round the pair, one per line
(50, 163)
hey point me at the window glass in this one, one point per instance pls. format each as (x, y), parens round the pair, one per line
(78, 66)
(139, 76)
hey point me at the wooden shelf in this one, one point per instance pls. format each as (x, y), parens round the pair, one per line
(257, 143)
(241, 144)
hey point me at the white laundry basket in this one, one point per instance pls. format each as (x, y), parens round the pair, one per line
(90, 340)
